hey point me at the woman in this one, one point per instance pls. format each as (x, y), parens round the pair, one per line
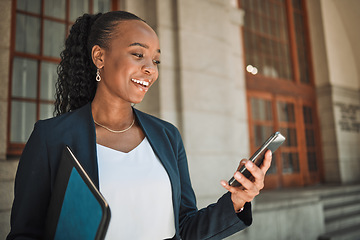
(137, 161)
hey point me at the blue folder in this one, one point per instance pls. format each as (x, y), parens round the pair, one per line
(77, 209)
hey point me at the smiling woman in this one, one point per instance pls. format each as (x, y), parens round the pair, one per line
(137, 161)
(128, 67)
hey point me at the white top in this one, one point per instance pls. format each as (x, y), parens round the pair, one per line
(138, 190)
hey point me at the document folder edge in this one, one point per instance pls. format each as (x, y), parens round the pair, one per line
(68, 162)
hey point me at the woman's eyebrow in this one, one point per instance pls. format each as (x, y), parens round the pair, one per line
(142, 45)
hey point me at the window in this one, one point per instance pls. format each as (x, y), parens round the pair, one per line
(274, 37)
(39, 29)
(280, 89)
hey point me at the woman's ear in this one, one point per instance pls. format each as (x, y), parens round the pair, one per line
(97, 55)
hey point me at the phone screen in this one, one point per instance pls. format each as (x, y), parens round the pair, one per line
(272, 143)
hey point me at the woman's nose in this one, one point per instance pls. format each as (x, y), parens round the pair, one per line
(149, 67)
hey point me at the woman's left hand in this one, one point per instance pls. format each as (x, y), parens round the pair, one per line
(248, 189)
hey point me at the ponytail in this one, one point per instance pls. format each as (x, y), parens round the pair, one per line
(76, 85)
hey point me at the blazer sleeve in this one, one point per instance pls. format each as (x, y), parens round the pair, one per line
(216, 221)
(32, 189)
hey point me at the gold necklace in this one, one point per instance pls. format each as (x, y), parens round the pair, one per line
(115, 131)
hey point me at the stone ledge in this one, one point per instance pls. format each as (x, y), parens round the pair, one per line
(6, 195)
(4, 224)
(8, 169)
(271, 202)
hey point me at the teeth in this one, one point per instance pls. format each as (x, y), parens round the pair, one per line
(144, 83)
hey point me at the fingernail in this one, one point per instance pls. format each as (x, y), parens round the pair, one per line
(238, 175)
(249, 164)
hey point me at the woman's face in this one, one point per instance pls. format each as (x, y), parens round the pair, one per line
(130, 65)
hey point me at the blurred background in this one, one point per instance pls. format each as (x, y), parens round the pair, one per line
(232, 72)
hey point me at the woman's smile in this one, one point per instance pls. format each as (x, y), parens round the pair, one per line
(143, 85)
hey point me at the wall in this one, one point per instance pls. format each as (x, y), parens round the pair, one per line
(341, 21)
(336, 69)
(284, 216)
(342, 40)
(215, 128)
(7, 168)
(347, 119)
(5, 26)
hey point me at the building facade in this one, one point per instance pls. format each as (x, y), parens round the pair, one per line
(231, 73)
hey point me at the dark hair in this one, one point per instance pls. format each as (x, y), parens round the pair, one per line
(76, 84)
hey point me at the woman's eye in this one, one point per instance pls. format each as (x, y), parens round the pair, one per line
(139, 55)
(157, 62)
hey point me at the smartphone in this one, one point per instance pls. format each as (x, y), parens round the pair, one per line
(272, 143)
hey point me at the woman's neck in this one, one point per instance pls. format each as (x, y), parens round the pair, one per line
(113, 114)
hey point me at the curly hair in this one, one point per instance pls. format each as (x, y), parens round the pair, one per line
(76, 84)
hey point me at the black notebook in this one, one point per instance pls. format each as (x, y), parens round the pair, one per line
(77, 209)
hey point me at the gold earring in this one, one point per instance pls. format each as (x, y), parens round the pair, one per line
(98, 78)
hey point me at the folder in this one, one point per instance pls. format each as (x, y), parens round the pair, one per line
(77, 210)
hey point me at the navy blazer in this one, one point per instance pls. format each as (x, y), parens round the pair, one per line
(40, 159)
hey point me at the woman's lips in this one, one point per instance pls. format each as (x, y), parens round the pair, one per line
(143, 84)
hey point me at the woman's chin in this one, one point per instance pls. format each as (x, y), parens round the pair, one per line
(136, 101)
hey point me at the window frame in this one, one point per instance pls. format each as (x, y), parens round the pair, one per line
(15, 148)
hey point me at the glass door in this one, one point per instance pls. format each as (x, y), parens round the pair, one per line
(296, 162)
(288, 124)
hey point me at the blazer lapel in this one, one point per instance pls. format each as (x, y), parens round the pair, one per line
(83, 142)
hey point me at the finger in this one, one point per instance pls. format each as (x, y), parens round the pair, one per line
(249, 184)
(255, 171)
(237, 197)
(238, 177)
(258, 175)
(267, 161)
(242, 163)
(226, 185)
(247, 191)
